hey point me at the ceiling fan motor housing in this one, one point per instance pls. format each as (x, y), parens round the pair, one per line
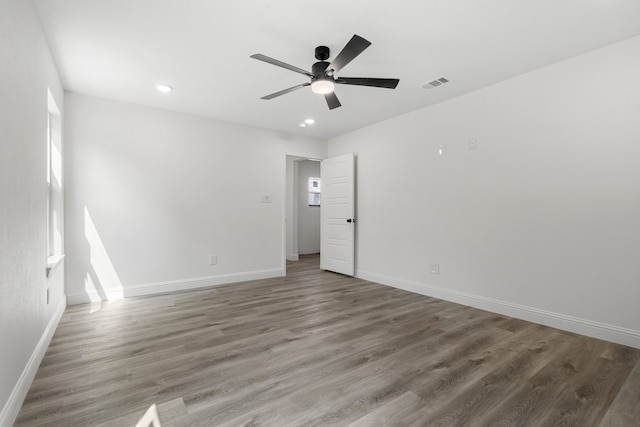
(319, 68)
(322, 53)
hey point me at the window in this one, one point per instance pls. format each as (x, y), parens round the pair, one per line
(314, 191)
(54, 185)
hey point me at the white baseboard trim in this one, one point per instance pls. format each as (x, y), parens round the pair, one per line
(170, 286)
(12, 406)
(603, 331)
(293, 257)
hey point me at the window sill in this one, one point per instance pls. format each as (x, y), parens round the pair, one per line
(52, 262)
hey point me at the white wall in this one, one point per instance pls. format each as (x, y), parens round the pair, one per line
(308, 216)
(27, 322)
(541, 221)
(152, 194)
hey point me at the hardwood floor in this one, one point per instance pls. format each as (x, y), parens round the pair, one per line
(317, 348)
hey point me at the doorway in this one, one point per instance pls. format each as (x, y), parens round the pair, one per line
(302, 228)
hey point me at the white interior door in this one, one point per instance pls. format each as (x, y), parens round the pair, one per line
(337, 227)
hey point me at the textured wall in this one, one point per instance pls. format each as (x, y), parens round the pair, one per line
(26, 72)
(152, 194)
(541, 219)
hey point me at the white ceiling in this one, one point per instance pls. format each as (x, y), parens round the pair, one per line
(120, 49)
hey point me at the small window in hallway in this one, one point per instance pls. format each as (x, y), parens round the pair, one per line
(314, 191)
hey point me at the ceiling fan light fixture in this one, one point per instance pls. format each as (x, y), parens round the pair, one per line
(323, 73)
(322, 86)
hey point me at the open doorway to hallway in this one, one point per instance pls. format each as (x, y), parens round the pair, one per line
(304, 195)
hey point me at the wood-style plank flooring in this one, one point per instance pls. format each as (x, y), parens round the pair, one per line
(320, 349)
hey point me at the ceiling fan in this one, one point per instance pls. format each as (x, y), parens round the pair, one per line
(323, 74)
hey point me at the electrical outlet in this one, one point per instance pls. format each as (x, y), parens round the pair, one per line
(473, 143)
(434, 268)
(442, 150)
(213, 260)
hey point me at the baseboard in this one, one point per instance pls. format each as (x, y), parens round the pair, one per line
(12, 406)
(171, 286)
(293, 257)
(603, 331)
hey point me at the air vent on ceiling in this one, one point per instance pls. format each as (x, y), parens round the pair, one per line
(435, 83)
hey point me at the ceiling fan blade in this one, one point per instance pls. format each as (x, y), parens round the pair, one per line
(282, 92)
(263, 58)
(332, 100)
(354, 48)
(364, 81)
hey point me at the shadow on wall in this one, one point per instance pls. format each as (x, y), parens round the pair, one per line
(101, 282)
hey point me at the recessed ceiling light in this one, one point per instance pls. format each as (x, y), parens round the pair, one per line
(309, 121)
(164, 88)
(302, 125)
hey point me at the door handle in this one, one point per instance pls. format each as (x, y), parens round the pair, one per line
(350, 220)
